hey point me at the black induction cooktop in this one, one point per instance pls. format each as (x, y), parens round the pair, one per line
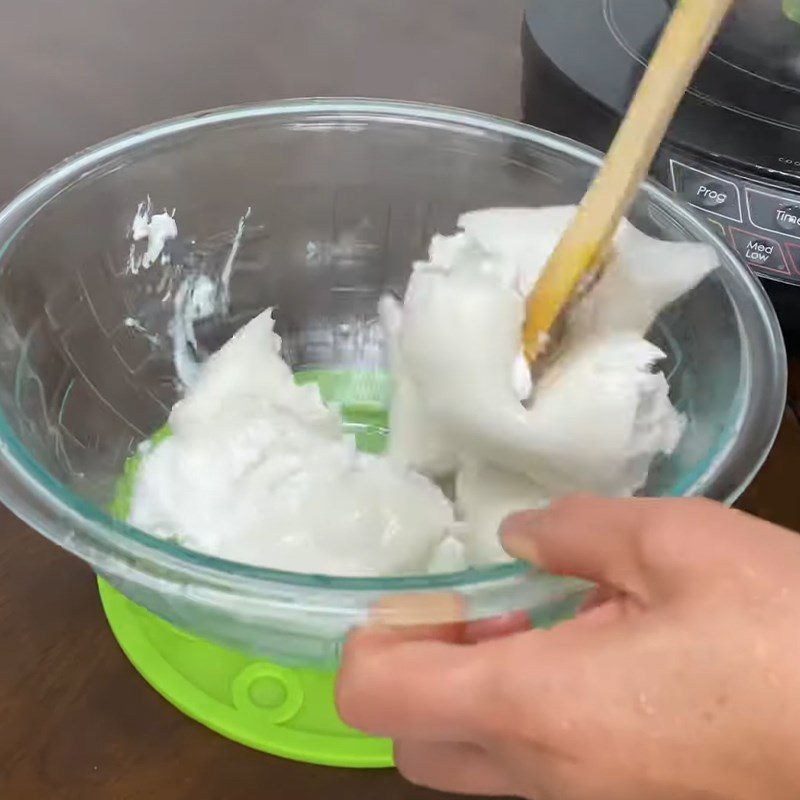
(744, 104)
(733, 149)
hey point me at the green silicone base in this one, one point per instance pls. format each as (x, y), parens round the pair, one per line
(285, 712)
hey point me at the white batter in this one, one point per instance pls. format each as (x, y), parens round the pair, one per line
(258, 470)
(597, 418)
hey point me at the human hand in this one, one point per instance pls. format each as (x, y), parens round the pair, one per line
(679, 681)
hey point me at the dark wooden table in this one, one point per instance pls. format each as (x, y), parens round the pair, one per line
(76, 721)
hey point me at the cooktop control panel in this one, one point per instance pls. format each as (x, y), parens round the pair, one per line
(760, 221)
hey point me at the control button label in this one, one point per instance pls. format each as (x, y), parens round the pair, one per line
(706, 191)
(771, 212)
(759, 251)
(711, 195)
(788, 218)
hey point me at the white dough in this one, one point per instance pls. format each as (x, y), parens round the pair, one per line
(259, 470)
(598, 417)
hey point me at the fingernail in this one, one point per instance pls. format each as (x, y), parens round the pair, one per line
(518, 536)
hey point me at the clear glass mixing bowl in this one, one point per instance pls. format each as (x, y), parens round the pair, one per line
(344, 195)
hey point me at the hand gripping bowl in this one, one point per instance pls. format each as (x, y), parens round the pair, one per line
(344, 194)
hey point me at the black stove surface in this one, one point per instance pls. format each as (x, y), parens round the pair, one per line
(733, 150)
(744, 105)
(760, 39)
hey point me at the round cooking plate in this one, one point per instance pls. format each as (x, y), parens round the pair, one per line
(744, 104)
(761, 40)
(754, 65)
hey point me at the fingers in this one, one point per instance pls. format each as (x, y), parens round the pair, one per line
(587, 537)
(412, 683)
(394, 685)
(451, 767)
(630, 545)
(416, 664)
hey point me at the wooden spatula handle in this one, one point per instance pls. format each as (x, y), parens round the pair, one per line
(683, 44)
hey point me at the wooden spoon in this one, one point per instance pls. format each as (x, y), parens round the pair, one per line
(583, 247)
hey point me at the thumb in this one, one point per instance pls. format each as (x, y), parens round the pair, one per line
(637, 546)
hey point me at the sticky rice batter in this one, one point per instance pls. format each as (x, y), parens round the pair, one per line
(259, 470)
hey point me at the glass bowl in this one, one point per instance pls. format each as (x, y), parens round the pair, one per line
(344, 195)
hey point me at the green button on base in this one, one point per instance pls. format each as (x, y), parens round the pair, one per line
(285, 712)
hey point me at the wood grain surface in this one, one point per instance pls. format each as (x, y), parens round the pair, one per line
(76, 721)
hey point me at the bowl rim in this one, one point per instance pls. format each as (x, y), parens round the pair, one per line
(115, 548)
